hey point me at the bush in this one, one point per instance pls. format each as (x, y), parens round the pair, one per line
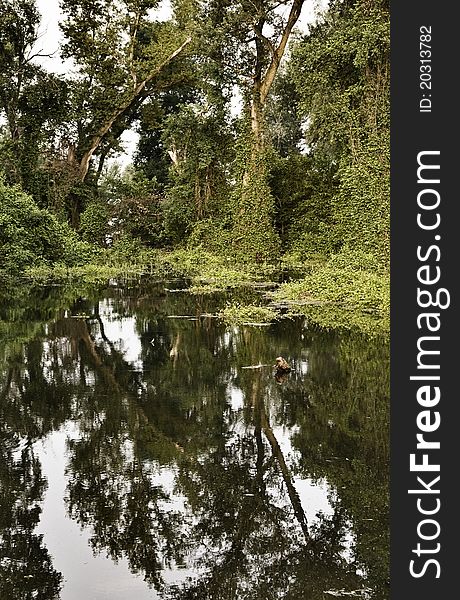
(76, 252)
(28, 235)
(94, 221)
(210, 235)
(237, 314)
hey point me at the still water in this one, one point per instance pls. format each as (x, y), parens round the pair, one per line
(149, 452)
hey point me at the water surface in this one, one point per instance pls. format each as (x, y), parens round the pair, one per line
(148, 451)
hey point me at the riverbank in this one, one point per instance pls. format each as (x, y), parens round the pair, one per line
(343, 292)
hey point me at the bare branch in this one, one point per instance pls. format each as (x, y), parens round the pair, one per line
(39, 54)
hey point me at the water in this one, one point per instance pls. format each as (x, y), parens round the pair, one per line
(148, 451)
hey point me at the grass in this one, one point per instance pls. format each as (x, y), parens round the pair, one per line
(336, 297)
(207, 272)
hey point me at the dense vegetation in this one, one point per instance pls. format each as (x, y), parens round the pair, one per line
(299, 177)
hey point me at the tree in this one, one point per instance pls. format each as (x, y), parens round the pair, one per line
(121, 57)
(341, 70)
(201, 148)
(152, 153)
(28, 235)
(32, 101)
(260, 37)
(18, 35)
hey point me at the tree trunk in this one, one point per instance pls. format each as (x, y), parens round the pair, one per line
(96, 140)
(75, 210)
(255, 213)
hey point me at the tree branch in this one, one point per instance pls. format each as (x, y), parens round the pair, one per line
(294, 14)
(105, 128)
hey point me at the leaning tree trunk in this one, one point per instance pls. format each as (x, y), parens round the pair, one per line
(136, 96)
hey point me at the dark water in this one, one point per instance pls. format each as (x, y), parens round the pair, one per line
(144, 456)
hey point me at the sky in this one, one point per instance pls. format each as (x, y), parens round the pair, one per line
(51, 37)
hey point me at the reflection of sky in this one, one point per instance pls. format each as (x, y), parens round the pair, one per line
(97, 577)
(86, 576)
(314, 496)
(122, 332)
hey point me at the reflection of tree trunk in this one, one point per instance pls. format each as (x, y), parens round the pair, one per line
(9, 380)
(293, 495)
(258, 436)
(82, 373)
(106, 372)
(259, 413)
(101, 328)
(174, 352)
(79, 331)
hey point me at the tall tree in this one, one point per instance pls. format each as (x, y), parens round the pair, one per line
(342, 74)
(19, 21)
(256, 34)
(31, 101)
(121, 55)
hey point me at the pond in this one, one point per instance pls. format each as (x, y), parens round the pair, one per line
(149, 452)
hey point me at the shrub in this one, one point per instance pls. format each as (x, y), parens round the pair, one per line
(94, 223)
(28, 235)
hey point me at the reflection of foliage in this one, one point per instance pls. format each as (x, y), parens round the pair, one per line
(129, 514)
(254, 545)
(26, 569)
(234, 516)
(344, 437)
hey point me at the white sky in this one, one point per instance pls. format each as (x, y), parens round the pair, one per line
(51, 37)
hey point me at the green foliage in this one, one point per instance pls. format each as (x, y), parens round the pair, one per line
(362, 204)
(237, 314)
(94, 223)
(151, 155)
(28, 235)
(122, 56)
(351, 291)
(208, 271)
(33, 103)
(357, 259)
(76, 252)
(134, 207)
(254, 237)
(200, 145)
(299, 179)
(283, 124)
(302, 191)
(127, 249)
(342, 74)
(215, 236)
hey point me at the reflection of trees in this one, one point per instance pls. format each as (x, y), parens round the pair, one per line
(26, 570)
(252, 536)
(344, 437)
(243, 526)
